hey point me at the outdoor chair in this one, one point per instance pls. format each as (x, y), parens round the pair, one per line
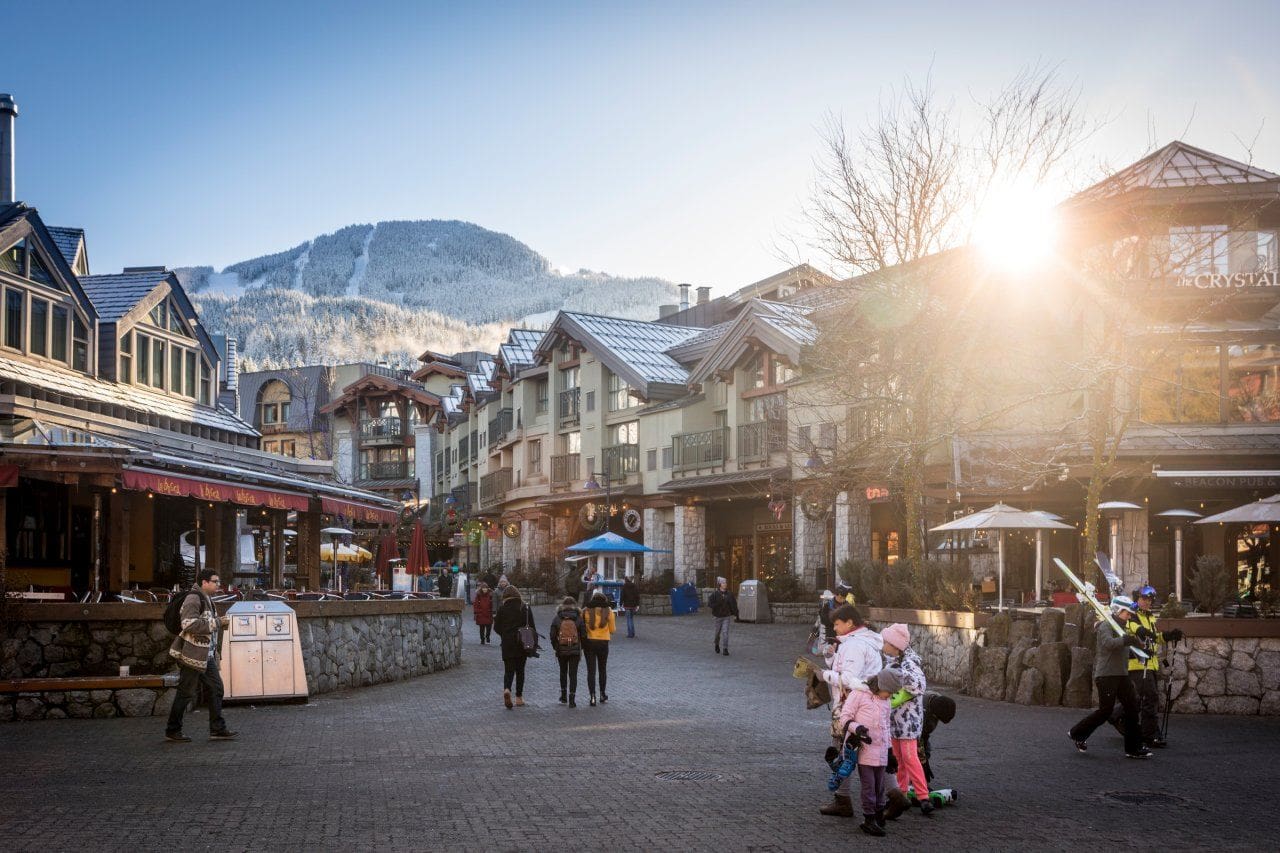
(310, 596)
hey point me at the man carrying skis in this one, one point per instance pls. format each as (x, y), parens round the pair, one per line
(1145, 674)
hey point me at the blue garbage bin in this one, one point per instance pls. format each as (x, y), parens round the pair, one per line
(684, 600)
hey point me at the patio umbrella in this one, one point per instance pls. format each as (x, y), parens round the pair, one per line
(417, 562)
(1178, 518)
(1265, 510)
(1001, 517)
(346, 553)
(387, 551)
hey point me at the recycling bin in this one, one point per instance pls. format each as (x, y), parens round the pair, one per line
(262, 652)
(684, 600)
(753, 602)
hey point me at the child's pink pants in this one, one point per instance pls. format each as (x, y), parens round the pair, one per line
(910, 770)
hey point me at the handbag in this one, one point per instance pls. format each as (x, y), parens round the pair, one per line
(528, 636)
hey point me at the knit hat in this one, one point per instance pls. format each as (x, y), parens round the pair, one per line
(510, 593)
(720, 580)
(888, 680)
(897, 635)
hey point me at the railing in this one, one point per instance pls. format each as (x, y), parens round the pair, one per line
(465, 495)
(494, 487)
(621, 459)
(475, 445)
(464, 451)
(706, 449)
(569, 408)
(758, 439)
(376, 428)
(386, 470)
(499, 427)
(565, 469)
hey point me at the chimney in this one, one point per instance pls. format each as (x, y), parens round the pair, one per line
(704, 295)
(684, 296)
(665, 311)
(8, 112)
(233, 364)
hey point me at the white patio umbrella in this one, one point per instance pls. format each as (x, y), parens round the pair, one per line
(1263, 510)
(1001, 517)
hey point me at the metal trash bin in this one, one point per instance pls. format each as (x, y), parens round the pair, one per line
(753, 602)
(684, 600)
(262, 652)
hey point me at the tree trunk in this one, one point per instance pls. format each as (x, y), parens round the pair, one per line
(912, 480)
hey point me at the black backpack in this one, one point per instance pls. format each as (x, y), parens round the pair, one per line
(173, 612)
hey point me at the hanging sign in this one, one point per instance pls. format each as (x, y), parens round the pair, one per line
(877, 494)
(1228, 281)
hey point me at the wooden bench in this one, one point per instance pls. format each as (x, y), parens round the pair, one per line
(106, 682)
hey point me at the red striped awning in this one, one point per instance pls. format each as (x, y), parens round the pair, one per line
(212, 490)
(359, 512)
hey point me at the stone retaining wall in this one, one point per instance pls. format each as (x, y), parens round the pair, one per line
(345, 644)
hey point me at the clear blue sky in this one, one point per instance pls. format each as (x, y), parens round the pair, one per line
(674, 139)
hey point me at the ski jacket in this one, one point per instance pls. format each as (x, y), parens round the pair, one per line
(866, 709)
(907, 720)
(1142, 619)
(1112, 657)
(630, 596)
(723, 604)
(482, 608)
(857, 657)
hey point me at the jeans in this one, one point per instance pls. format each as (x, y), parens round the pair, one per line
(722, 629)
(569, 674)
(874, 798)
(486, 633)
(1113, 688)
(188, 678)
(631, 622)
(597, 654)
(513, 668)
(910, 773)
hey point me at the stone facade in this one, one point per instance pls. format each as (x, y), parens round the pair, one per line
(810, 544)
(342, 652)
(690, 542)
(658, 534)
(1217, 675)
(853, 527)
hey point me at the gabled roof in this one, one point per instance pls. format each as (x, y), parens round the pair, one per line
(697, 347)
(70, 242)
(377, 383)
(480, 381)
(1177, 166)
(116, 295)
(443, 368)
(18, 222)
(517, 353)
(781, 328)
(633, 349)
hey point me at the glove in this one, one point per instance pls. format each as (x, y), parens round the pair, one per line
(1145, 634)
(1133, 641)
(861, 733)
(1174, 636)
(900, 698)
(831, 677)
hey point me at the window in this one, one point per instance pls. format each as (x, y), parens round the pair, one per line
(755, 371)
(39, 326)
(79, 343)
(591, 401)
(666, 458)
(771, 407)
(206, 384)
(569, 378)
(782, 372)
(270, 413)
(1198, 249)
(13, 319)
(59, 334)
(651, 460)
(39, 272)
(157, 363)
(189, 380)
(827, 436)
(535, 457)
(1253, 392)
(175, 322)
(14, 260)
(289, 448)
(175, 370)
(273, 403)
(160, 316)
(144, 360)
(269, 446)
(804, 437)
(542, 395)
(619, 394)
(573, 442)
(628, 433)
(126, 358)
(1182, 387)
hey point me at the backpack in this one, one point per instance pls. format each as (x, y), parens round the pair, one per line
(173, 612)
(567, 640)
(528, 636)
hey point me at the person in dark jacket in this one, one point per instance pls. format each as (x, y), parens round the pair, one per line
(568, 656)
(723, 606)
(630, 603)
(197, 653)
(513, 615)
(482, 611)
(1111, 675)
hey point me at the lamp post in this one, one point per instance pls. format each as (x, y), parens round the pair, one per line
(1178, 519)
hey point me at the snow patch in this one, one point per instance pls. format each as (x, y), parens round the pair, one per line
(357, 272)
(224, 284)
(299, 263)
(541, 320)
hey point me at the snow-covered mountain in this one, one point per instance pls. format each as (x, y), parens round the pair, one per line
(394, 289)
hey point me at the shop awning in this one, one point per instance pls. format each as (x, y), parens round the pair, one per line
(1222, 478)
(163, 483)
(358, 511)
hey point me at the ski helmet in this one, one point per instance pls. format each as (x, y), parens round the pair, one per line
(1122, 602)
(1147, 591)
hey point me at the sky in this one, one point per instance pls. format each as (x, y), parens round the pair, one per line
(652, 138)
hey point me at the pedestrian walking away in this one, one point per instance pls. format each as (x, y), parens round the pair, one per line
(630, 603)
(907, 718)
(1145, 675)
(482, 612)
(567, 633)
(1111, 675)
(600, 624)
(723, 607)
(513, 615)
(196, 651)
(853, 657)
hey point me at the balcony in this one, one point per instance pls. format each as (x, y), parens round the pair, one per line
(494, 487)
(757, 440)
(465, 497)
(565, 470)
(499, 427)
(386, 471)
(388, 430)
(569, 416)
(691, 451)
(619, 460)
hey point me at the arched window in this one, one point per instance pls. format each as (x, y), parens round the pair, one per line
(273, 404)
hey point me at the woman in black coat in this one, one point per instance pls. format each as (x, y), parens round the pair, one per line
(513, 615)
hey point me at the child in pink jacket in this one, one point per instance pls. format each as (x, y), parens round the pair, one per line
(870, 708)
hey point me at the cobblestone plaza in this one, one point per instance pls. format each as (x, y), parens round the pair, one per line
(438, 763)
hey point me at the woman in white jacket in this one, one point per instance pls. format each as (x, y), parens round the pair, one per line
(853, 658)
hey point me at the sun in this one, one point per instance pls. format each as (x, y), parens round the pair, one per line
(1017, 228)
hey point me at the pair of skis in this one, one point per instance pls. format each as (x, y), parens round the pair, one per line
(1085, 594)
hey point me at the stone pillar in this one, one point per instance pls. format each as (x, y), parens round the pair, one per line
(511, 547)
(1132, 549)
(228, 530)
(690, 543)
(118, 541)
(277, 550)
(308, 545)
(809, 547)
(853, 527)
(658, 534)
(211, 532)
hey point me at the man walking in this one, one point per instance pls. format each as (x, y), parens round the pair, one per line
(196, 651)
(1145, 674)
(630, 603)
(723, 607)
(1111, 675)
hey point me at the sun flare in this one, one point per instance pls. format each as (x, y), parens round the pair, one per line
(1017, 229)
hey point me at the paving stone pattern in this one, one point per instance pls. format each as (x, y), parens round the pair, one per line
(437, 763)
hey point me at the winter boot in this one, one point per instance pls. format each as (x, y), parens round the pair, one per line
(926, 808)
(898, 804)
(717, 647)
(726, 651)
(573, 703)
(870, 827)
(838, 807)
(506, 699)
(563, 697)
(593, 700)
(880, 818)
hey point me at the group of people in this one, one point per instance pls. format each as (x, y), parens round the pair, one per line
(1129, 679)
(881, 710)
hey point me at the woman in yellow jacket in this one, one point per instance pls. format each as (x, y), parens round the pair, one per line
(600, 625)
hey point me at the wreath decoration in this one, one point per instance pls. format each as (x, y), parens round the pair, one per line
(511, 530)
(592, 516)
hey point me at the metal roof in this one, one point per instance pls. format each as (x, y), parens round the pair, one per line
(730, 478)
(480, 381)
(68, 241)
(1178, 165)
(633, 349)
(517, 352)
(696, 347)
(116, 295)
